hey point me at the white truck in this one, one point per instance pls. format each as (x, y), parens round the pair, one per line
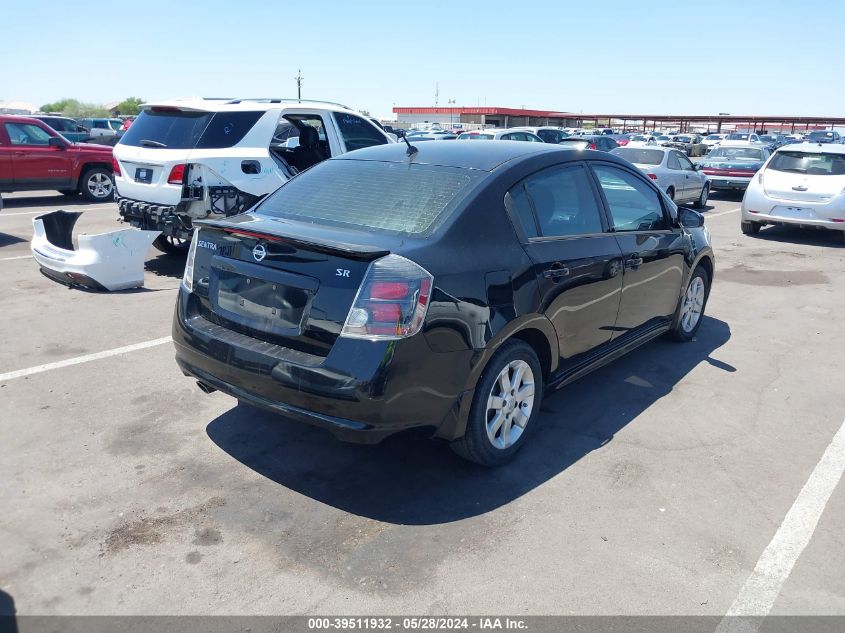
(185, 160)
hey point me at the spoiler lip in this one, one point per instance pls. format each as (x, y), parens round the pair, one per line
(346, 249)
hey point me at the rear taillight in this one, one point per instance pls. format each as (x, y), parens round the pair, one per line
(652, 176)
(591, 146)
(391, 302)
(177, 175)
(188, 277)
(115, 166)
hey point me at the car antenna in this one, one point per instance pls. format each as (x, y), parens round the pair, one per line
(411, 149)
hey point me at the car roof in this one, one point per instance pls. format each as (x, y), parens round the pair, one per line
(206, 104)
(815, 148)
(482, 156)
(16, 118)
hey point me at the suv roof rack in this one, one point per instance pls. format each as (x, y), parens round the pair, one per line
(286, 100)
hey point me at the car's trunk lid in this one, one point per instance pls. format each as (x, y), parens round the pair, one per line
(277, 281)
(798, 187)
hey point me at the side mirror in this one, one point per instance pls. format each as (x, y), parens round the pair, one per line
(689, 218)
(56, 142)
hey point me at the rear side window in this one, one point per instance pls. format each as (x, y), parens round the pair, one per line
(375, 196)
(811, 164)
(562, 200)
(633, 204)
(358, 133)
(186, 130)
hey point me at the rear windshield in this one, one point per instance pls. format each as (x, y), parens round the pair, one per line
(737, 137)
(820, 136)
(811, 164)
(739, 153)
(640, 156)
(397, 198)
(714, 137)
(475, 137)
(187, 130)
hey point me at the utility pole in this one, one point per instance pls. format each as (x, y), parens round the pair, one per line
(299, 85)
(451, 103)
(436, 94)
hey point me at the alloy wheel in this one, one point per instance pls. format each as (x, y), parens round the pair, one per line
(100, 185)
(693, 304)
(510, 404)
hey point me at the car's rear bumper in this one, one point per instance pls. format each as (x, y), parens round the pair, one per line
(108, 261)
(362, 391)
(759, 207)
(729, 182)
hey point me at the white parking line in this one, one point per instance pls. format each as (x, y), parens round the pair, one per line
(20, 373)
(716, 215)
(3, 214)
(8, 259)
(760, 591)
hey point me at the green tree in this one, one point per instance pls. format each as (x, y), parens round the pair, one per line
(132, 105)
(74, 108)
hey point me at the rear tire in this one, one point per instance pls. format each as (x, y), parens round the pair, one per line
(749, 228)
(97, 184)
(690, 311)
(702, 199)
(505, 406)
(172, 245)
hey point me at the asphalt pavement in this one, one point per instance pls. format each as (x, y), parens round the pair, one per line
(665, 483)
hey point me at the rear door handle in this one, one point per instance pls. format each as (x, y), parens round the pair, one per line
(633, 262)
(557, 271)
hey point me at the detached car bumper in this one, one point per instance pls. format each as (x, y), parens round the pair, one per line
(108, 261)
(362, 391)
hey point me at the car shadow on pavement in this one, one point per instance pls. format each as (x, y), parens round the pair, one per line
(53, 202)
(796, 235)
(164, 265)
(7, 240)
(728, 195)
(409, 480)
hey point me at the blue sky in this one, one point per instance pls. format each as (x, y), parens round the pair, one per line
(741, 57)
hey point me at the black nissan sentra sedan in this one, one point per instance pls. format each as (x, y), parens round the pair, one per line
(447, 288)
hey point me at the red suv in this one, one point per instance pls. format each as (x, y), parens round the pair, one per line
(33, 156)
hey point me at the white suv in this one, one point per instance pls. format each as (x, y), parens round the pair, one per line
(185, 160)
(801, 184)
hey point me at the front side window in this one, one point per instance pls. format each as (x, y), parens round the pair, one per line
(358, 133)
(633, 205)
(26, 134)
(563, 203)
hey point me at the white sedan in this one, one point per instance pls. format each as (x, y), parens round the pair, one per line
(671, 170)
(801, 184)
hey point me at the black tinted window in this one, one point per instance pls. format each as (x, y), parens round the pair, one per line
(563, 202)
(358, 133)
(186, 130)
(226, 129)
(549, 136)
(369, 195)
(521, 209)
(633, 204)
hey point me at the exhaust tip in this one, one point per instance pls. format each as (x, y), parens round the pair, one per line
(206, 388)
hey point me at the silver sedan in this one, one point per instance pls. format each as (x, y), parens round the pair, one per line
(673, 172)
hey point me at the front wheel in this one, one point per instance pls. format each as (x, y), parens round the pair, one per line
(172, 245)
(505, 406)
(691, 308)
(97, 184)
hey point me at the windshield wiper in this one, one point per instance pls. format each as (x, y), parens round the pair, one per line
(147, 143)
